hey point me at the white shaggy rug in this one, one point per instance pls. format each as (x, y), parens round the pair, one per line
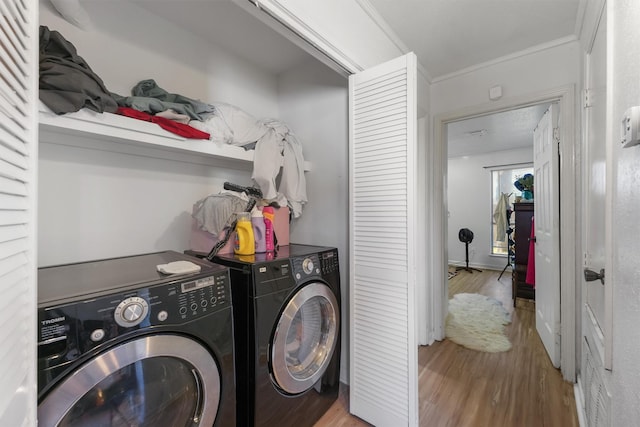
(477, 322)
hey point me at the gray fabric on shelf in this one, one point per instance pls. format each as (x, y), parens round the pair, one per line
(148, 97)
(213, 212)
(67, 83)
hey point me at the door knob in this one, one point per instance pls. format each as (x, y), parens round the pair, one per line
(590, 275)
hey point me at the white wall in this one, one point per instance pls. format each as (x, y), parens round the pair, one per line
(127, 44)
(469, 202)
(313, 101)
(96, 204)
(625, 278)
(547, 69)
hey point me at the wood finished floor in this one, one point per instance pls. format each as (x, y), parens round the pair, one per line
(461, 387)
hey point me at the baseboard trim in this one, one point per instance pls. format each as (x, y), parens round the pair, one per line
(579, 397)
(452, 263)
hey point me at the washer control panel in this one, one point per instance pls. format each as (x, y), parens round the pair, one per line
(72, 329)
(131, 312)
(201, 296)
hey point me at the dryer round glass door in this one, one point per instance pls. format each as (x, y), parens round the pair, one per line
(161, 380)
(304, 338)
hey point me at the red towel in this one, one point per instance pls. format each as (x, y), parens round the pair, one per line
(166, 124)
(530, 279)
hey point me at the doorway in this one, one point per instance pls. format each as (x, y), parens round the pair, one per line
(485, 156)
(565, 97)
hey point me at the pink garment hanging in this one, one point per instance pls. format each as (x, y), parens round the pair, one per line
(530, 279)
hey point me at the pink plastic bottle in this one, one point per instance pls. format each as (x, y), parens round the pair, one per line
(259, 230)
(269, 215)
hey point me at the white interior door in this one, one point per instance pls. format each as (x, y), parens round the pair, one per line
(596, 308)
(594, 197)
(382, 244)
(547, 232)
(18, 154)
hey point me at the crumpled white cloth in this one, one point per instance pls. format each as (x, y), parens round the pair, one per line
(275, 147)
(279, 146)
(230, 125)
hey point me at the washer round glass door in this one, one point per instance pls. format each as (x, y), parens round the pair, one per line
(305, 338)
(160, 380)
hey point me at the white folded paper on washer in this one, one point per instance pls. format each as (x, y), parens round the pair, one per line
(178, 267)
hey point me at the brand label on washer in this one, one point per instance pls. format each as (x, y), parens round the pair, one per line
(52, 328)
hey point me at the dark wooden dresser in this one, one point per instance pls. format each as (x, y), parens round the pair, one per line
(522, 231)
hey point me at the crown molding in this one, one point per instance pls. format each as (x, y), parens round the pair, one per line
(375, 16)
(535, 49)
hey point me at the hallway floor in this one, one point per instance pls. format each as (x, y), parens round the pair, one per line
(462, 387)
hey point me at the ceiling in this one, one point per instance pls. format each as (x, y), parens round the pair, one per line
(448, 36)
(225, 24)
(495, 132)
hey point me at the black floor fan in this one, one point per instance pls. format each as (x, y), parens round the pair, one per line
(466, 236)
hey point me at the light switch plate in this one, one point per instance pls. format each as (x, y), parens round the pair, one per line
(630, 127)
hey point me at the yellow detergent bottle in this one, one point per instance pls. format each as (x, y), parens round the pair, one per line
(244, 242)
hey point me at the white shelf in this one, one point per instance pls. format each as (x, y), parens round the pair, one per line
(121, 134)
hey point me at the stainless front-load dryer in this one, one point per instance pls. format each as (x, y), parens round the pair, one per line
(287, 334)
(120, 344)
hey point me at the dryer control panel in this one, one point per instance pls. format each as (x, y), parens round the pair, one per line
(329, 262)
(319, 264)
(306, 266)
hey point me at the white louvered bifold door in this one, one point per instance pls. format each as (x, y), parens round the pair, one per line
(18, 151)
(383, 337)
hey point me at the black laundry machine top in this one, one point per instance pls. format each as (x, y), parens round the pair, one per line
(63, 283)
(285, 252)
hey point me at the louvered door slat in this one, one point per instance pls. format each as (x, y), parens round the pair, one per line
(12, 141)
(383, 365)
(10, 186)
(12, 157)
(9, 108)
(17, 27)
(11, 263)
(11, 90)
(11, 232)
(16, 56)
(18, 154)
